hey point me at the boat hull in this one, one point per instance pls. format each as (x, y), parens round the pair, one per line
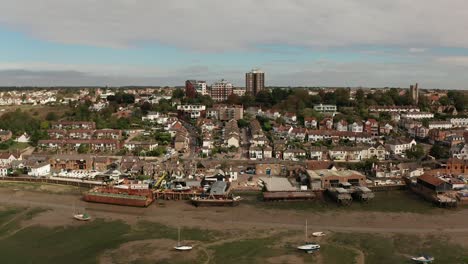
(215, 202)
(119, 197)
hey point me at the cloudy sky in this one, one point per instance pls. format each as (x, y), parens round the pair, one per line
(296, 42)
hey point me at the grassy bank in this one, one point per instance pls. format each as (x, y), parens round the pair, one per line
(42, 187)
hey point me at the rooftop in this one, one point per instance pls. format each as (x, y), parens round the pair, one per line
(277, 184)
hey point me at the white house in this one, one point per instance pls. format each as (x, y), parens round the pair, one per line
(399, 146)
(355, 127)
(440, 125)
(294, 154)
(325, 108)
(459, 122)
(7, 158)
(39, 170)
(24, 138)
(3, 171)
(255, 153)
(417, 115)
(155, 117)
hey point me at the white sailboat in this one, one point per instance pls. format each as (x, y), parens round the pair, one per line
(423, 259)
(181, 247)
(308, 247)
(80, 216)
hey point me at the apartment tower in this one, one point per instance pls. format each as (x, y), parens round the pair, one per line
(254, 81)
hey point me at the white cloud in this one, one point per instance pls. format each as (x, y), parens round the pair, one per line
(454, 60)
(417, 50)
(225, 25)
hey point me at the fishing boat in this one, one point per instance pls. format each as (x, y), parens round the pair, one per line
(181, 247)
(308, 246)
(423, 259)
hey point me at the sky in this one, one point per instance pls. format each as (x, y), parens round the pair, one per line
(369, 43)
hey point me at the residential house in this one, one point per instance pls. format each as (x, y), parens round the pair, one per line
(155, 117)
(141, 145)
(298, 133)
(341, 125)
(344, 153)
(191, 111)
(290, 118)
(310, 122)
(7, 158)
(326, 124)
(377, 151)
(371, 126)
(73, 125)
(232, 134)
(393, 108)
(70, 162)
(419, 132)
(417, 115)
(5, 135)
(279, 147)
(39, 170)
(459, 122)
(324, 108)
(335, 136)
(399, 146)
(386, 129)
(255, 153)
(294, 154)
(440, 125)
(356, 127)
(317, 153)
(24, 138)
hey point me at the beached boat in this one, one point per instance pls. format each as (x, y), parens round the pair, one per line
(423, 259)
(318, 234)
(308, 246)
(82, 217)
(181, 247)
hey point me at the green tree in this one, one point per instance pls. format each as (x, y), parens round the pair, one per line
(83, 148)
(178, 93)
(51, 116)
(439, 151)
(417, 152)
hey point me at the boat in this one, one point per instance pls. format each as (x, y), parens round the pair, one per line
(82, 217)
(212, 201)
(111, 195)
(318, 234)
(180, 247)
(308, 246)
(423, 259)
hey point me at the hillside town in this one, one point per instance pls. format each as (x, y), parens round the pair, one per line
(188, 142)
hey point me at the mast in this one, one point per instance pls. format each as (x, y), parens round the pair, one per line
(306, 232)
(178, 237)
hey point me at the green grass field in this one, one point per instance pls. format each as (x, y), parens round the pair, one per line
(393, 201)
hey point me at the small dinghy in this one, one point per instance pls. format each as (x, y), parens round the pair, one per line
(181, 247)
